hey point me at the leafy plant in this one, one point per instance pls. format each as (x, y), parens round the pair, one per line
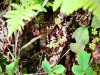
(57, 21)
(50, 45)
(10, 68)
(58, 69)
(69, 6)
(83, 67)
(21, 13)
(81, 36)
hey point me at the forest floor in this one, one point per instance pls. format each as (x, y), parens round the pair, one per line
(47, 37)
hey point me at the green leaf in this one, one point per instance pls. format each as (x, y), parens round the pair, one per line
(16, 6)
(95, 22)
(27, 14)
(89, 71)
(37, 7)
(46, 66)
(0, 69)
(51, 73)
(31, 12)
(11, 67)
(81, 36)
(24, 3)
(56, 4)
(58, 69)
(83, 59)
(20, 22)
(77, 70)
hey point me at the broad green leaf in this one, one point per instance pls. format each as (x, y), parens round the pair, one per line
(81, 36)
(46, 66)
(58, 69)
(51, 73)
(11, 67)
(89, 71)
(0, 69)
(77, 70)
(95, 22)
(83, 59)
(56, 4)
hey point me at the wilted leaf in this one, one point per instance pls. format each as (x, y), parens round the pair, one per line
(81, 36)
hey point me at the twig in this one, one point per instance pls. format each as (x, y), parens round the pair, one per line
(63, 55)
(30, 42)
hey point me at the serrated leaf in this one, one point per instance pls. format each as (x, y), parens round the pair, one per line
(37, 7)
(11, 67)
(46, 66)
(12, 12)
(81, 36)
(20, 22)
(95, 22)
(8, 16)
(25, 17)
(24, 3)
(56, 4)
(77, 70)
(11, 29)
(89, 71)
(58, 69)
(16, 6)
(31, 2)
(83, 59)
(27, 14)
(31, 12)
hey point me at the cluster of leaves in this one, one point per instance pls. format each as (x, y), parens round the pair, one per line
(21, 13)
(10, 68)
(58, 69)
(69, 6)
(83, 67)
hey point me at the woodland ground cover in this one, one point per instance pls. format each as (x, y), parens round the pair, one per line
(49, 37)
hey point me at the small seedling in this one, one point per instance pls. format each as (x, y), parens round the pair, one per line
(83, 67)
(58, 69)
(57, 21)
(49, 45)
(94, 31)
(92, 46)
